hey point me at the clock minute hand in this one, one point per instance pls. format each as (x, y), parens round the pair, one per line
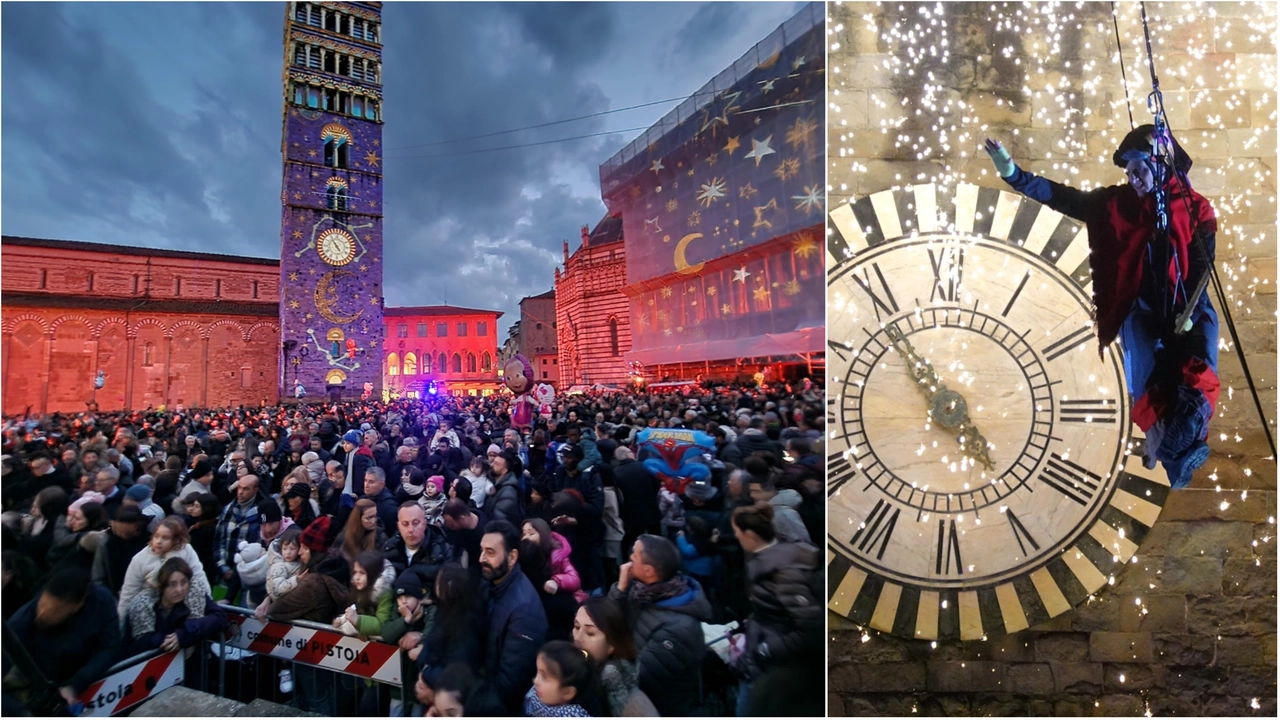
(946, 406)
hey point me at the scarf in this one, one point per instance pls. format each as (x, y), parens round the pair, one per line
(659, 591)
(1118, 238)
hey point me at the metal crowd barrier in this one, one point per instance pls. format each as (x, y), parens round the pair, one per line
(332, 673)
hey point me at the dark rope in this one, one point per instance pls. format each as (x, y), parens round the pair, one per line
(1115, 23)
(1162, 122)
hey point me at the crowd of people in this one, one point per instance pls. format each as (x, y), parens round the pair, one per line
(543, 571)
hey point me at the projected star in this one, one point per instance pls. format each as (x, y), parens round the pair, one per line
(760, 149)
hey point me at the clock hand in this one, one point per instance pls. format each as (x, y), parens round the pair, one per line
(946, 406)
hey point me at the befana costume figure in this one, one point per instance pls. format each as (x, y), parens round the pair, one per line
(1151, 249)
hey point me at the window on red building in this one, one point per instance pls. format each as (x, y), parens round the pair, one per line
(402, 330)
(148, 355)
(486, 362)
(426, 364)
(613, 337)
(410, 364)
(462, 329)
(422, 329)
(443, 367)
(471, 362)
(393, 364)
(442, 329)
(482, 329)
(457, 363)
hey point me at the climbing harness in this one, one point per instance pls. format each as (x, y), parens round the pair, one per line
(1164, 152)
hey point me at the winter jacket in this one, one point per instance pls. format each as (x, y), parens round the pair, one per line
(562, 570)
(786, 519)
(357, 464)
(669, 638)
(467, 646)
(434, 552)
(506, 500)
(695, 563)
(111, 561)
(388, 510)
(752, 441)
(672, 509)
(253, 573)
(237, 523)
(639, 510)
(620, 683)
(384, 592)
(787, 620)
(321, 594)
(144, 569)
(282, 576)
(517, 629)
(80, 650)
(146, 625)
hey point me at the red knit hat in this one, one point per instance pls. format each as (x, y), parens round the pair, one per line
(316, 536)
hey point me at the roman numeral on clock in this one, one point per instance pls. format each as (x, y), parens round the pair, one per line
(1020, 533)
(1067, 344)
(1090, 411)
(1070, 479)
(951, 261)
(877, 529)
(1016, 293)
(839, 349)
(948, 549)
(839, 472)
(887, 303)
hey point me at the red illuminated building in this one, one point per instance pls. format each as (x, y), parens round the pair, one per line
(164, 328)
(593, 322)
(451, 349)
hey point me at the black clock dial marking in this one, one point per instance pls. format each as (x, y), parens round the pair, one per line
(887, 303)
(1030, 453)
(1077, 483)
(949, 260)
(1020, 533)
(878, 529)
(1067, 344)
(1098, 410)
(840, 350)
(948, 548)
(1016, 293)
(839, 472)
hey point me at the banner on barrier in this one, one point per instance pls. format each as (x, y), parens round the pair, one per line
(122, 690)
(321, 648)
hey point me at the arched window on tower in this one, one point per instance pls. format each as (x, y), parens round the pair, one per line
(410, 364)
(457, 364)
(335, 198)
(393, 364)
(335, 152)
(443, 367)
(486, 362)
(471, 362)
(613, 337)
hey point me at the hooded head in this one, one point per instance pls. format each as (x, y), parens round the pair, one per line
(1136, 156)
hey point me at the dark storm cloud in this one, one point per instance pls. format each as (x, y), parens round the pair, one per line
(157, 124)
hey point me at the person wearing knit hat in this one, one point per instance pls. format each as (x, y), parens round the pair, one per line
(1146, 293)
(140, 496)
(88, 497)
(356, 463)
(316, 537)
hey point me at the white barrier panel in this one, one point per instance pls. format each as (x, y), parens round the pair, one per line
(122, 690)
(322, 648)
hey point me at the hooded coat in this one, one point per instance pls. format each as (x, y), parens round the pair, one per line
(321, 594)
(786, 622)
(786, 519)
(669, 636)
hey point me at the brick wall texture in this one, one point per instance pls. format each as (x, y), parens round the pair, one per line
(1190, 628)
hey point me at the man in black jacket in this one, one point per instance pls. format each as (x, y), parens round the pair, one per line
(71, 630)
(127, 537)
(375, 490)
(667, 610)
(517, 622)
(639, 507)
(417, 543)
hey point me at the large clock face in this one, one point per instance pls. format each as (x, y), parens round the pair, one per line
(336, 247)
(980, 470)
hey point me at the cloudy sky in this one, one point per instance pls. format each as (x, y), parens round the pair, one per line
(158, 125)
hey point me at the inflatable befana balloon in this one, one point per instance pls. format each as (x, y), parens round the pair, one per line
(517, 374)
(675, 456)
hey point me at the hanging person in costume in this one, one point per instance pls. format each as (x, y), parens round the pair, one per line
(1142, 289)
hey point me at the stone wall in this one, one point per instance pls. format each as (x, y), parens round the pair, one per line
(1191, 627)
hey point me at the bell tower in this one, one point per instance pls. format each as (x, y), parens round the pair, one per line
(331, 200)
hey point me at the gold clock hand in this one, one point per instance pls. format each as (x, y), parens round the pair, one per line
(946, 406)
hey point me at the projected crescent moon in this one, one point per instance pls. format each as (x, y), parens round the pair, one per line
(682, 265)
(327, 296)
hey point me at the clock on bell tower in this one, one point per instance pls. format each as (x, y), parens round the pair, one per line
(331, 221)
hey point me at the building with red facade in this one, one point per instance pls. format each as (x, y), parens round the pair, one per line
(592, 319)
(449, 349)
(164, 328)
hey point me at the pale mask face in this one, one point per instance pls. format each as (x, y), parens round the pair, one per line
(1140, 178)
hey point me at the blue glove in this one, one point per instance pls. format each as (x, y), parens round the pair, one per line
(1000, 158)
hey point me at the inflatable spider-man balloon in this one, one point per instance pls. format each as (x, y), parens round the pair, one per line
(675, 456)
